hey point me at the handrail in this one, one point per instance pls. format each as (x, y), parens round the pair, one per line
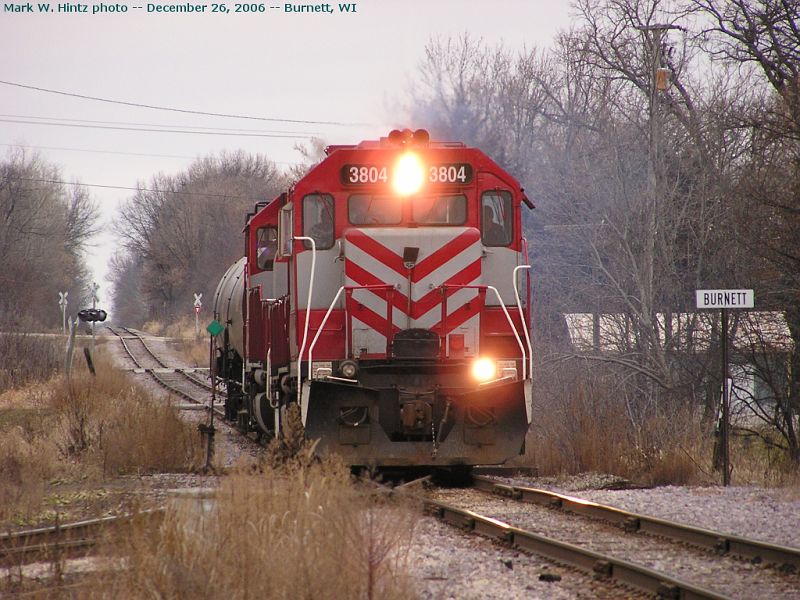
(321, 326)
(308, 306)
(513, 329)
(505, 311)
(522, 316)
(349, 289)
(330, 309)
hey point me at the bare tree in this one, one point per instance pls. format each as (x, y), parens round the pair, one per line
(762, 39)
(181, 232)
(44, 229)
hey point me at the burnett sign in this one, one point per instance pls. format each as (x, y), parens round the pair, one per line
(725, 298)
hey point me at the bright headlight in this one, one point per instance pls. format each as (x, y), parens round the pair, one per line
(408, 175)
(484, 369)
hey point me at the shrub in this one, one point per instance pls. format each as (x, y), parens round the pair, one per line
(292, 532)
(87, 426)
(582, 423)
(26, 358)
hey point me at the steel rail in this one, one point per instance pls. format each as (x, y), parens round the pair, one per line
(160, 380)
(620, 571)
(22, 547)
(155, 357)
(721, 543)
(161, 363)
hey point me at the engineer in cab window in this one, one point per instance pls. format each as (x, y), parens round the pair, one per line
(318, 220)
(496, 221)
(266, 247)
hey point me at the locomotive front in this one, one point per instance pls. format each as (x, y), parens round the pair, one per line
(387, 292)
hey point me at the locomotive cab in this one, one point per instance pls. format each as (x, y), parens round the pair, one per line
(387, 294)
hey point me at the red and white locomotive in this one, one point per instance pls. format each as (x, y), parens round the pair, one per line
(388, 294)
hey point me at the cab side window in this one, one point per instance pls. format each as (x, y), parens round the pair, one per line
(318, 220)
(497, 225)
(266, 247)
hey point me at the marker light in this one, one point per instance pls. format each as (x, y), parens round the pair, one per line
(348, 368)
(409, 175)
(484, 369)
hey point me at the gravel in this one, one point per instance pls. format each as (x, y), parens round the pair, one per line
(451, 564)
(736, 578)
(768, 514)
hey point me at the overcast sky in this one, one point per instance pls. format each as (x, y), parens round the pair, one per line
(350, 68)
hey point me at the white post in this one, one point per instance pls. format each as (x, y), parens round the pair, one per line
(197, 305)
(62, 302)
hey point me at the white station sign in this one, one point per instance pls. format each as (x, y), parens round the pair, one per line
(725, 298)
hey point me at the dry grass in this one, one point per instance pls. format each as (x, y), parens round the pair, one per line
(181, 339)
(16, 353)
(153, 327)
(119, 427)
(193, 352)
(86, 428)
(756, 461)
(298, 531)
(581, 424)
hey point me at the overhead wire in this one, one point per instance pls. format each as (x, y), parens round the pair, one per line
(119, 152)
(179, 110)
(66, 119)
(136, 189)
(147, 130)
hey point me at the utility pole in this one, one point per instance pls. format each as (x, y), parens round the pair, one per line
(659, 80)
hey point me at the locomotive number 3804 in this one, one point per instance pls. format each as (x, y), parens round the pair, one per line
(455, 173)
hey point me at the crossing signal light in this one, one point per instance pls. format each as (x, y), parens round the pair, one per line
(91, 315)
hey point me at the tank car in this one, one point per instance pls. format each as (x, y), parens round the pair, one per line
(387, 293)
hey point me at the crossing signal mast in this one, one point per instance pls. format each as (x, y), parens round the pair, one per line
(198, 305)
(62, 302)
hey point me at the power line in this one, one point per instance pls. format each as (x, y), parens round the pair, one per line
(147, 155)
(226, 129)
(98, 151)
(180, 110)
(135, 189)
(146, 130)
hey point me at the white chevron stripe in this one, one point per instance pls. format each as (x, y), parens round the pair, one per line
(454, 301)
(372, 265)
(377, 304)
(451, 267)
(397, 238)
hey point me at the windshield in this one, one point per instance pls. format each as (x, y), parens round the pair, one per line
(368, 209)
(440, 210)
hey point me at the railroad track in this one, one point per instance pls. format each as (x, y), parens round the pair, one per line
(784, 557)
(64, 541)
(178, 381)
(673, 561)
